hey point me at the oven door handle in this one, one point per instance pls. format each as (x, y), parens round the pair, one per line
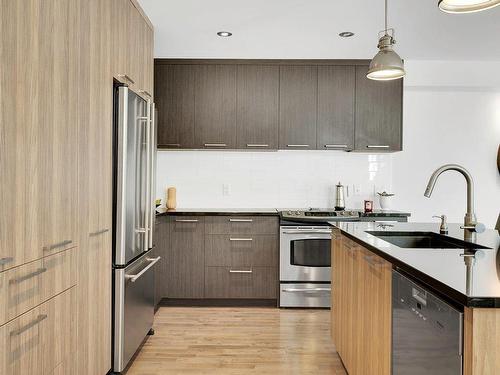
(309, 231)
(306, 290)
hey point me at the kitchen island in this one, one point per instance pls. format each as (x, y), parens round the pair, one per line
(365, 256)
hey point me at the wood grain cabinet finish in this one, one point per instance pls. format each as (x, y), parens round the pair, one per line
(174, 97)
(215, 106)
(257, 109)
(361, 279)
(241, 225)
(161, 249)
(298, 107)
(336, 97)
(378, 113)
(185, 258)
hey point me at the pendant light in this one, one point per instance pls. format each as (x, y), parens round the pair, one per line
(386, 65)
(466, 6)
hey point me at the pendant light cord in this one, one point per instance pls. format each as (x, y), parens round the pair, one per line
(386, 16)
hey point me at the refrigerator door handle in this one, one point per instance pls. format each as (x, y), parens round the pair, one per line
(134, 278)
(147, 197)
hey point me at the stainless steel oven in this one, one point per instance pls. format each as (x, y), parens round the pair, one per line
(305, 266)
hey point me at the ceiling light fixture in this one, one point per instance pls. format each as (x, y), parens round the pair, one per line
(466, 6)
(224, 34)
(386, 65)
(346, 34)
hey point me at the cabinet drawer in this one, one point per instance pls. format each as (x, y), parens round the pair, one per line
(241, 225)
(240, 282)
(241, 250)
(41, 340)
(24, 287)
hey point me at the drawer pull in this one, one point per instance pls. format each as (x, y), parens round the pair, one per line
(102, 231)
(134, 278)
(307, 290)
(240, 271)
(55, 246)
(170, 145)
(292, 146)
(240, 220)
(28, 276)
(215, 145)
(240, 239)
(126, 77)
(6, 260)
(38, 320)
(378, 146)
(186, 220)
(336, 146)
(256, 145)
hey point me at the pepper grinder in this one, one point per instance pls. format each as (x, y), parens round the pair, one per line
(339, 199)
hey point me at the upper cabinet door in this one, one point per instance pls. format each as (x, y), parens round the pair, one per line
(298, 107)
(174, 97)
(120, 46)
(257, 112)
(379, 109)
(336, 94)
(215, 106)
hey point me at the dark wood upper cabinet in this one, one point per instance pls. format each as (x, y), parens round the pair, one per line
(298, 107)
(257, 109)
(336, 98)
(215, 106)
(174, 97)
(379, 110)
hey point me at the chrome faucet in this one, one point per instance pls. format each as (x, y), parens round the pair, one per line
(470, 223)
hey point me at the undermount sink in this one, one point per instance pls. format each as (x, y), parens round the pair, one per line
(424, 240)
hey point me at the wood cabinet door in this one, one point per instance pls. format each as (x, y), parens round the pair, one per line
(185, 259)
(379, 111)
(336, 94)
(174, 98)
(162, 246)
(257, 111)
(120, 21)
(298, 107)
(338, 286)
(215, 106)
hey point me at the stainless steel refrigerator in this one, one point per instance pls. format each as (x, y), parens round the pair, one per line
(134, 156)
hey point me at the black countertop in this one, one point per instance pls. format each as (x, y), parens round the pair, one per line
(217, 211)
(443, 270)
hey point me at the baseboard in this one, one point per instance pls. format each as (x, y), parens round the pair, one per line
(218, 302)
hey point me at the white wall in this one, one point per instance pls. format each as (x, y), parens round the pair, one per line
(283, 179)
(451, 115)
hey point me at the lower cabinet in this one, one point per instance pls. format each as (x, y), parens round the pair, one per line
(217, 257)
(361, 307)
(40, 342)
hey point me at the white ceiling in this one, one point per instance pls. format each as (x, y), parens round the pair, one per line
(309, 29)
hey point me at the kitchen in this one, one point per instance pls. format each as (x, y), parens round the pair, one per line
(303, 224)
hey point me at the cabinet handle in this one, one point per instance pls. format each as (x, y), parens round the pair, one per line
(297, 146)
(170, 145)
(256, 145)
(127, 78)
(336, 146)
(306, 290)
(215, 145)
(240, 271)
(39, 319)
(102, 231)
(141, 230)
(5, 260)
(145, 93)
(240, 239)
(240, 220)
(28, 276)
(378, 146)
(55, 246)
(186, 220)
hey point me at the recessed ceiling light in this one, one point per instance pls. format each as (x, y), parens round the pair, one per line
(346, 34)
(224, 34)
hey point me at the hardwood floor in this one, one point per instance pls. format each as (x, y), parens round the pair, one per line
(239, 341)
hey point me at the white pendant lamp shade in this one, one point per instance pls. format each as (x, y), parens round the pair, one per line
(386, 65)
(466, 6)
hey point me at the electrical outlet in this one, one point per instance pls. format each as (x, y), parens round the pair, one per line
(226, 189)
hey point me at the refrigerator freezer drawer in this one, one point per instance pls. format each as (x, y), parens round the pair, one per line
(134, 308)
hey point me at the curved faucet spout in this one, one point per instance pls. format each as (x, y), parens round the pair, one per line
(470, 217)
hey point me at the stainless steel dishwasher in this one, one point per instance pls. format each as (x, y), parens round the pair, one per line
(426, 331)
